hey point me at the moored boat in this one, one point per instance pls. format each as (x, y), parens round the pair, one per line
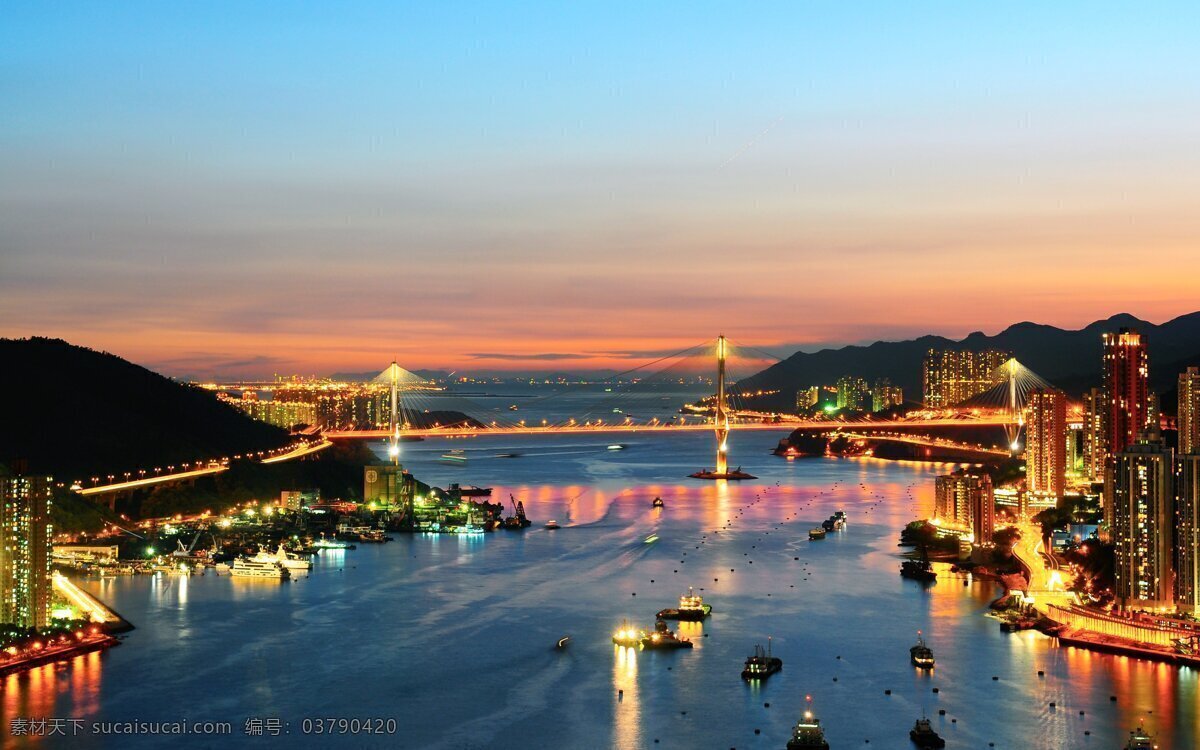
(923, 736)
(691, 608)
(921, 654)
(762, 664)
(808, 734)
(627, 635)
(816, 533)
(1140, 740)
(662, 638)
(253, 567)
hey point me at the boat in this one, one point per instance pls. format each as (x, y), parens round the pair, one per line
(291, 560)
(840, 515)
(921, 654)
(324, 543)
(923, 736)
(1139, 740)
(517, 521)
(221, 567)
(562, 642)
(816, 533)
(650, 539)
(662, 638)
(616, 410)
(807, 734)
(762, 664)
(455, 457)
(616, 447)
(512, 407)
(658, 503)
(691, 608)
(627, 635)
(252, 567)
(552, 524)
(918, 570)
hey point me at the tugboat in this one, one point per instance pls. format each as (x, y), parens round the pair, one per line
(662, 638)
(923, 736)
(691, 608)
(816, 533)
(918, 570)
(658, 503)
(762, 665)
(1139, 740)
(627, 635)
(921, 655)
(807, 734)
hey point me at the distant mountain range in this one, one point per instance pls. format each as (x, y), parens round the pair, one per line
(73, 412)
(1070, 360)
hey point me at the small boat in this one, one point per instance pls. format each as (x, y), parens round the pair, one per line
(1140, 740)
(807, 734)
(562, 642)
(324, 543)
(921, 654)
(658, 503)
(650, 539)
(455, 457)
(627, 635)
(512, 407)
(923, 736)
(552, 524)
(662, 638)
(616, 447)
(816, 533)
(616, 410)
(691, 608)
(762, 664)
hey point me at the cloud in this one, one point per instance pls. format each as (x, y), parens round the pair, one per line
(545, 357)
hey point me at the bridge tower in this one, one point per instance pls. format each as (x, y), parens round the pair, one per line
(394, 419)
(721, 424)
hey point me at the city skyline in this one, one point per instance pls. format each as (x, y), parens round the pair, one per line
(241, 192)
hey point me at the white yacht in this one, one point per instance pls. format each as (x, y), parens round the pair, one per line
(258, 567)
(290, 560)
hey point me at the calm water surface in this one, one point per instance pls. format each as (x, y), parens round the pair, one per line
(454, 638)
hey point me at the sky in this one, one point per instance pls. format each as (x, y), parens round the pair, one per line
(258, 188)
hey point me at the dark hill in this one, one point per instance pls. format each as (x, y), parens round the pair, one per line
(73, 412)
(1069, 359)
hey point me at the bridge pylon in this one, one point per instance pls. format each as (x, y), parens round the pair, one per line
(721, 424)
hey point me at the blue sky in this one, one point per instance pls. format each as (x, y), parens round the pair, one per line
(307, 186)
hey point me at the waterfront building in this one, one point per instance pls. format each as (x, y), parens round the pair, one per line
(853, 393)
(1141, 499)
(951, 376)
(389, 487)
(295, 500)
(965, 501)
(1126, 377)
(1187, 532)
(1095, 437)
(25, 550)
(1189, 411)
(884, 395)
(1046, 443)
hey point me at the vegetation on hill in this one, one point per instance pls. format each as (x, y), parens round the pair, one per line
(74, 412)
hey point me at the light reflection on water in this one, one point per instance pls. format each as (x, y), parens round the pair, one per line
(455, 636)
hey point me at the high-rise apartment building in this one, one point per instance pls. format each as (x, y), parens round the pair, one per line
(25, 581)
(1189, 411)
(1095, 435)
(966, 500)
(1187, 532)
(884, 395)
(853, 393)
(1141, 495)
(1046, 443)
(951, 377)
(1126, 377)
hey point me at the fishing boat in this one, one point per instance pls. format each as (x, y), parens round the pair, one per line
(662, 638)
(691, 608)
(658, 503)
(816, 533)
(807, 734)
(1140, 740)
(762, 664)
(921, 654)
(923, 736)
(627, 635)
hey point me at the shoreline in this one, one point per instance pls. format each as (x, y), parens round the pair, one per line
(96, 642)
